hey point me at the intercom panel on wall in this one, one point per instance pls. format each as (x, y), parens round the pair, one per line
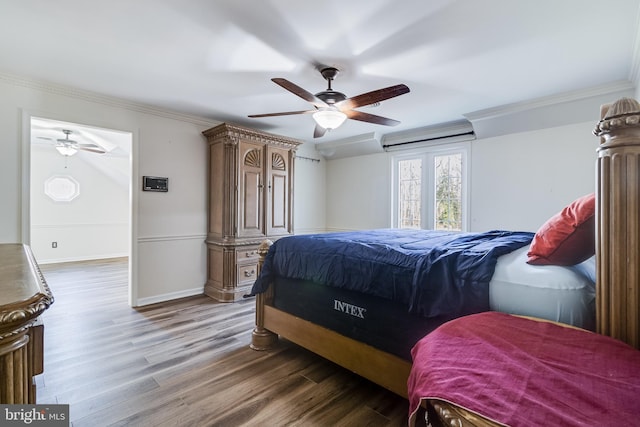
(155, 183)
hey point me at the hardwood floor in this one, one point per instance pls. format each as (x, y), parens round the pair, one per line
(186, 363)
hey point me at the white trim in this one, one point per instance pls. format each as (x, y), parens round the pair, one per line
(133, 219)
(25, 173)
(169, 296)
(83, 258)
(111, 101)
(340, 230)
(80, 224)
(152, 239)
(576, 95)
(310, 231)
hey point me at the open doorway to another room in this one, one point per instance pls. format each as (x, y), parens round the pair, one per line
(79, 192)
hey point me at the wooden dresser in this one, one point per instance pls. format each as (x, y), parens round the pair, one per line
(24, 296)
(250, 199)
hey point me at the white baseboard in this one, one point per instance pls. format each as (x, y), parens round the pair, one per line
(83, 258)
(299, 231)
(168, 297)
(340, 230)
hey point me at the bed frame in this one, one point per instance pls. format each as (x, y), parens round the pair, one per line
(618, 222)
(618, 272)
(385, 369)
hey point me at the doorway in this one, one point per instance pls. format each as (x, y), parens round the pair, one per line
(80, 192)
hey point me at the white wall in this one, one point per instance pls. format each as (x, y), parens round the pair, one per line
(168, 252)
(358, 192)
(517, 181)
(309, 191)
(93, 225)
(169, 229)
(551, 167)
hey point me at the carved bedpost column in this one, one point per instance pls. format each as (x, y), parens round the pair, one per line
(261, 338)
(618, 222)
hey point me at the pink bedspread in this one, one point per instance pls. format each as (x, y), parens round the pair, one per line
(522, 372)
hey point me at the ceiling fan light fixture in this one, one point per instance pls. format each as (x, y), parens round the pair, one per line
(66, 150)
(329, 119)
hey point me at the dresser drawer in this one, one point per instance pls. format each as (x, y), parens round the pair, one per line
(247, 273)
(247, 254)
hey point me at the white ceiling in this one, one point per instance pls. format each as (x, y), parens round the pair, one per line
(215, 59)
(46, 132)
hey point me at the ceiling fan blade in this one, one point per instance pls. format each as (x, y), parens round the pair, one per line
(302, 93)
(319, 131)
(95, 146)
(372, 97)
(370, 118)
(286, 113)
(91, 149)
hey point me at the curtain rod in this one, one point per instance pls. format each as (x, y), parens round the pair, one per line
(435, 138)
(308, 158)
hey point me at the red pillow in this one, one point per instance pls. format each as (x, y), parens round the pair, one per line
(568, 237)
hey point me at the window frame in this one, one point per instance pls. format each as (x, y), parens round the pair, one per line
(427, 155)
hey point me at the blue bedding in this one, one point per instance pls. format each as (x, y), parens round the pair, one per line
(432, 272)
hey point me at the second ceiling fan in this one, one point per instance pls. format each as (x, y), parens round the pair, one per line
(68, 147)
(332, 108)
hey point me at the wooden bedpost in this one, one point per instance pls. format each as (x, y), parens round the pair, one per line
(261, 338)
(618, 222)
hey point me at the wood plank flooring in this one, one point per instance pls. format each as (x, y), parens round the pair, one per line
(186, 363)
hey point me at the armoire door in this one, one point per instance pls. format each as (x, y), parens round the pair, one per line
(278, 191)
(251, 190)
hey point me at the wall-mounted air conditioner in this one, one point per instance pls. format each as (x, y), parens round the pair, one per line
(428, 136)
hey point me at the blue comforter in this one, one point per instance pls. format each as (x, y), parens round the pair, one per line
(432, 272)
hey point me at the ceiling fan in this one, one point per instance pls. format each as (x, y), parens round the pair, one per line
(332, 108)
(68, 147)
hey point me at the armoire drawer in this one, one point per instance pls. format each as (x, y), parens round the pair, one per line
(247, 254)
(247, 273)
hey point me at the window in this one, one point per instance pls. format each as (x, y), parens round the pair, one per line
(410, 190)
(448, 191)
(429, 188)
(62, 188)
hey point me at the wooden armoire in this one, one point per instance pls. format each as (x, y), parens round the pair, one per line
(250, 199)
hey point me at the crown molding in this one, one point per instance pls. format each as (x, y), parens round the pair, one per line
(111, 101)
(368, 143)
(547, 101)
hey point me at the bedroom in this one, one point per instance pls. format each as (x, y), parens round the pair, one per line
(346, 193)
(334, 194)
